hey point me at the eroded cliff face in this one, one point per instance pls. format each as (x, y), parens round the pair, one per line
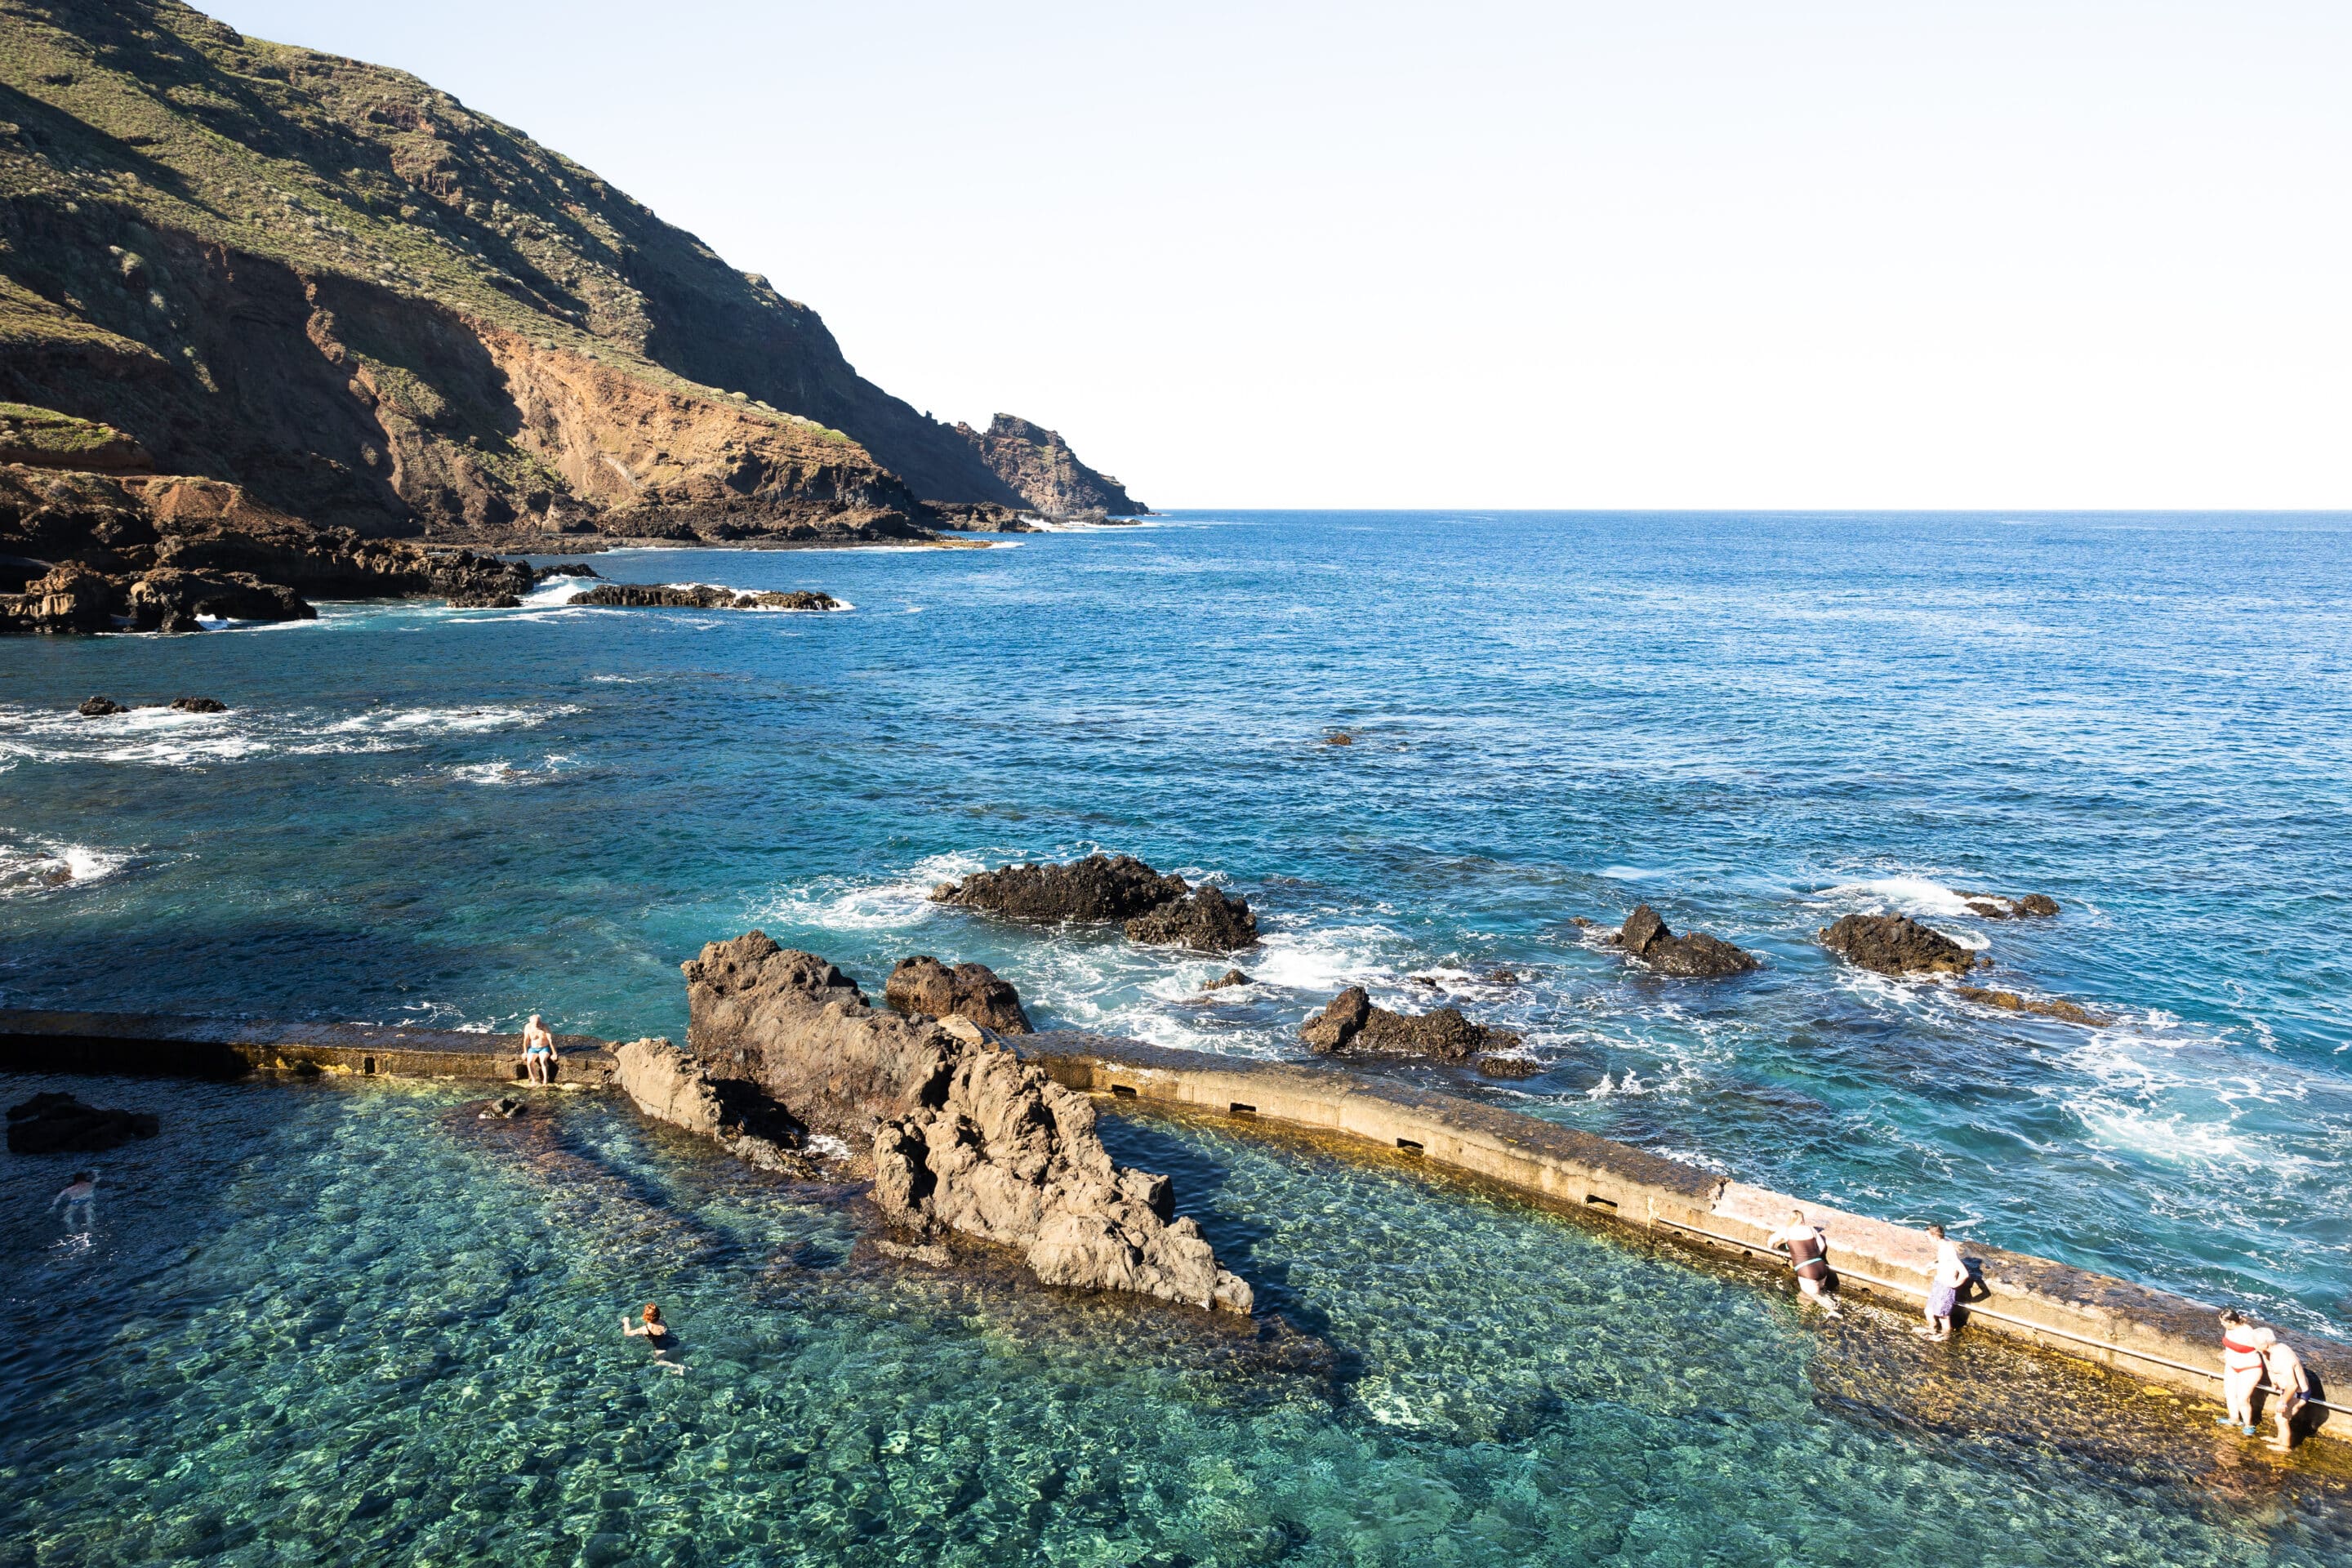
(374, 307)
(964, 1137)
(1038, 464)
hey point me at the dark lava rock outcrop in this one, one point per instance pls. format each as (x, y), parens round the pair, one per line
(965, 1137)
(1205, 921)
(1157, 907)
(1895, 944)
(1995, 907)
(1645, 936)
(1098, 888)
(699, 596)
(1229, 978)
(198, 705)
(100, 708)
(1039, 465)
(924, 987)
(1350, 1026)
(55, 1123)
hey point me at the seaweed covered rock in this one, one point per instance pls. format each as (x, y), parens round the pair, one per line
(1895, 944)
(923, 985)
(1350, 1024)
(1098, 888)
(1205, 921)
(1646, 936)
(965, 1137)
(60, 1124)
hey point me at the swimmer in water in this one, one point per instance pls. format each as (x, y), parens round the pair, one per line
(1809, 1250)
(80, 1200)
(538, 1051)
(654, 1332)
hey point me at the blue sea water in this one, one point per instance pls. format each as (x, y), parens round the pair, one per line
(1755, 723)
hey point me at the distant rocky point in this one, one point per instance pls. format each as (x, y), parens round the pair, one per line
(701, 596)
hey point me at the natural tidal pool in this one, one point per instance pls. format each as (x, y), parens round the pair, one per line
(356, 1324)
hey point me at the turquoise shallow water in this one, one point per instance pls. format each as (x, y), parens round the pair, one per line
(1755, 723)
(357, 1324)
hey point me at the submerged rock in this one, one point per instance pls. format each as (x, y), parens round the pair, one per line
(2047, 1007)
(1646, 936)
(1995, 907)
(699, 596)
(55, 1123)
(1895, 944)
(1510, 1066)
(1206, 921)
(923, 985)
(964, 1136)
(100, 708)
(505, 1108)
(1350, 1026)
(198, 705)
(1098, 888)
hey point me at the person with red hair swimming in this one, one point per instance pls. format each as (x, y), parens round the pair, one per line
(657, 1333)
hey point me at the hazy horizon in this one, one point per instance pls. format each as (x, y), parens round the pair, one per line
(2056, 257)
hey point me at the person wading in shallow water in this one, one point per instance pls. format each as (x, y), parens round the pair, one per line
(2293, 1386)
(1809, 1248)
(2243, 1347)
(1943, 1287)
(538, 1051)
(654, 1332)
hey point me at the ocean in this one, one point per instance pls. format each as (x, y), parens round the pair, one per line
(1755, 723)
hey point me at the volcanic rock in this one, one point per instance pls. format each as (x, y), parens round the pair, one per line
(1895, 944)
(1350, 1026)
(100, 708)
(53, 1123)
(699, 596)
(2048, 1006)
(1098, 888)
(1645, 936)
(1229, 978)
(923, 986)
(1511, 1067)
(198, 705)
(504, 1109)
(1206, 921)
(964, 1136)
(669, 1084)
(1995, 907)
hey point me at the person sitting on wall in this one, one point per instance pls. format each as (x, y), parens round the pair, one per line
(1809, 1246)
(2291, 1389)
(2244, 1345)
(538, 1051)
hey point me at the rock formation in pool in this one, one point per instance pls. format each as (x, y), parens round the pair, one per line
(669, 1084)
(1997, 907)
(59, 1123)
(1645, 936)
(924, 987)
(1350, 1026)
(374, 308)
(1158, 908)
(701, 596)
(965, 1137)
(1895, 944)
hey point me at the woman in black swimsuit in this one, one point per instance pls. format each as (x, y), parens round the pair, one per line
(1809, 1248)
(654, 1332)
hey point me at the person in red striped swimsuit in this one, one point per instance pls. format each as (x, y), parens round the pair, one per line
(2243, 1347)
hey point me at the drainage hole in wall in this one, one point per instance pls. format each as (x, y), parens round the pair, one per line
(1122, 1091)
(1408, 1145)
(367, 1064)
(1594, 1200)
(1238, 1109)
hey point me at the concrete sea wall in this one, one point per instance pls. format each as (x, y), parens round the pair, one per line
(2150, 1335)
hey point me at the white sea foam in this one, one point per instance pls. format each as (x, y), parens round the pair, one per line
(47, 866)
(1914, 896)
(839, 903)
(164, 737)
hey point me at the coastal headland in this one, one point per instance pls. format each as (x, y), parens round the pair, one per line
(2139, 1336)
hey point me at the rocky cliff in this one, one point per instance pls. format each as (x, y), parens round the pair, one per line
(1038, 465)
(370, 307)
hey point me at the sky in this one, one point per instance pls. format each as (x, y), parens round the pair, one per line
(1648, 254)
